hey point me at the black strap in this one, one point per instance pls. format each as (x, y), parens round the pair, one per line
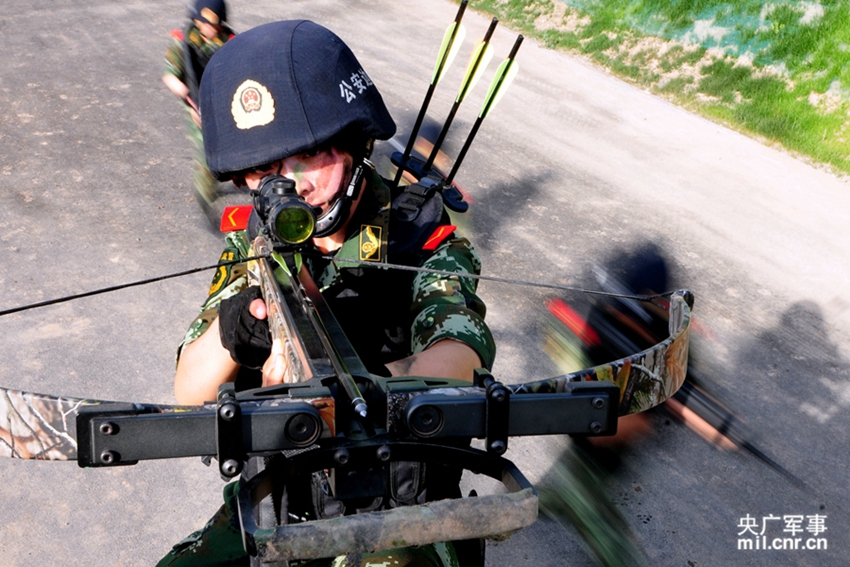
(194, 63)
(189, 75)
(416, 214)
(408, 205)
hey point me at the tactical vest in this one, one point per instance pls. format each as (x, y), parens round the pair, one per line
(372, 305)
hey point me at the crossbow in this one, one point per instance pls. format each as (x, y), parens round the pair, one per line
(331, 414)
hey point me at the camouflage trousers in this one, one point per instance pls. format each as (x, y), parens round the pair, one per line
(219, 544)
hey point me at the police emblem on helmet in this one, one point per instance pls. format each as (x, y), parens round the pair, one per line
(252, 105)
(251, 99)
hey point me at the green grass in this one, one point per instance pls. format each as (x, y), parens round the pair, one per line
(779, 71)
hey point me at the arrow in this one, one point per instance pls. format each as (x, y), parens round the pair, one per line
(452, 40)
(478, 62)
(501, 81)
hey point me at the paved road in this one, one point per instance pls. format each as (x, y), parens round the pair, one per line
(571, 168)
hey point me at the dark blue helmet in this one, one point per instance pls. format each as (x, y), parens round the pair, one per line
(282, 89)
(210, 11)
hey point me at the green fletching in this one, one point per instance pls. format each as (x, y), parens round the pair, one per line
(281, 263)
(480, 58)
(504, 77)
(457, 31)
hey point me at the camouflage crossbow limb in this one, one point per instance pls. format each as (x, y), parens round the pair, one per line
(39, 426)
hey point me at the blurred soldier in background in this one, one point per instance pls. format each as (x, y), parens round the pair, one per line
(185, 61)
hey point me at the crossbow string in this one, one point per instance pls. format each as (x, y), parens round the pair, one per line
(64, 299)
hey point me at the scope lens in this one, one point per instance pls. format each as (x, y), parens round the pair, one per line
(294, 223)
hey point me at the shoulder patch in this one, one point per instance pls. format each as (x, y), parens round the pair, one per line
(370, 243)
(222, 272)
(573, 321)
(438, 236)
(235, 218)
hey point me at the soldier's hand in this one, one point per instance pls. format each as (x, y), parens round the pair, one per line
(244, 329)
(275, 367)
(195, 117)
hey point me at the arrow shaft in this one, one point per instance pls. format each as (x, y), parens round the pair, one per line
(440, 67)
(469, 81)
(464, 149)
(441, 138)
(495, 91)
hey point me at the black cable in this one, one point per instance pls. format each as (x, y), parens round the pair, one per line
(339, 261)
(494, 279)
(123, 286)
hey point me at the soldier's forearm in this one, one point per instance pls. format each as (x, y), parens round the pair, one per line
(203, 366)
(443, 359)
(176, 86)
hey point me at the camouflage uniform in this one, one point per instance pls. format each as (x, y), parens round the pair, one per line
(437, 306)
(205, 184)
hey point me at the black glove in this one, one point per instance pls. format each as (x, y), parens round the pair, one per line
(246, 337)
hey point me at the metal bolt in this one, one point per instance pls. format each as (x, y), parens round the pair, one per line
(108, 457)
(230, 467)
(107, 428)
(598, 403)
(596, 427)
(384, 453)
(342, 456)
(227, 411)
(426, 421)
(302, 429)
(498, 447)
(498, 395)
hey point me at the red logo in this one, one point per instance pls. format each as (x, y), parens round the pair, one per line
(251, 99)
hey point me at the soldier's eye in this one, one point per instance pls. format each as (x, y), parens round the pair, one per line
(239, 180)
(313, 152)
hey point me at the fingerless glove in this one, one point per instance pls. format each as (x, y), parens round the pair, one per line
(246, 337)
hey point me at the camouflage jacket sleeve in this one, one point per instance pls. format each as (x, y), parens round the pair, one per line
(227, 282)
(447, 307)
(174, 57)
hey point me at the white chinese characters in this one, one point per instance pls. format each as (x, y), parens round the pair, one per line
(356, 84)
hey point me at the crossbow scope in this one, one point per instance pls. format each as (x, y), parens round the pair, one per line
(285, 216)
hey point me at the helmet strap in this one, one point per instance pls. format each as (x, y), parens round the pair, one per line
(332, 220)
